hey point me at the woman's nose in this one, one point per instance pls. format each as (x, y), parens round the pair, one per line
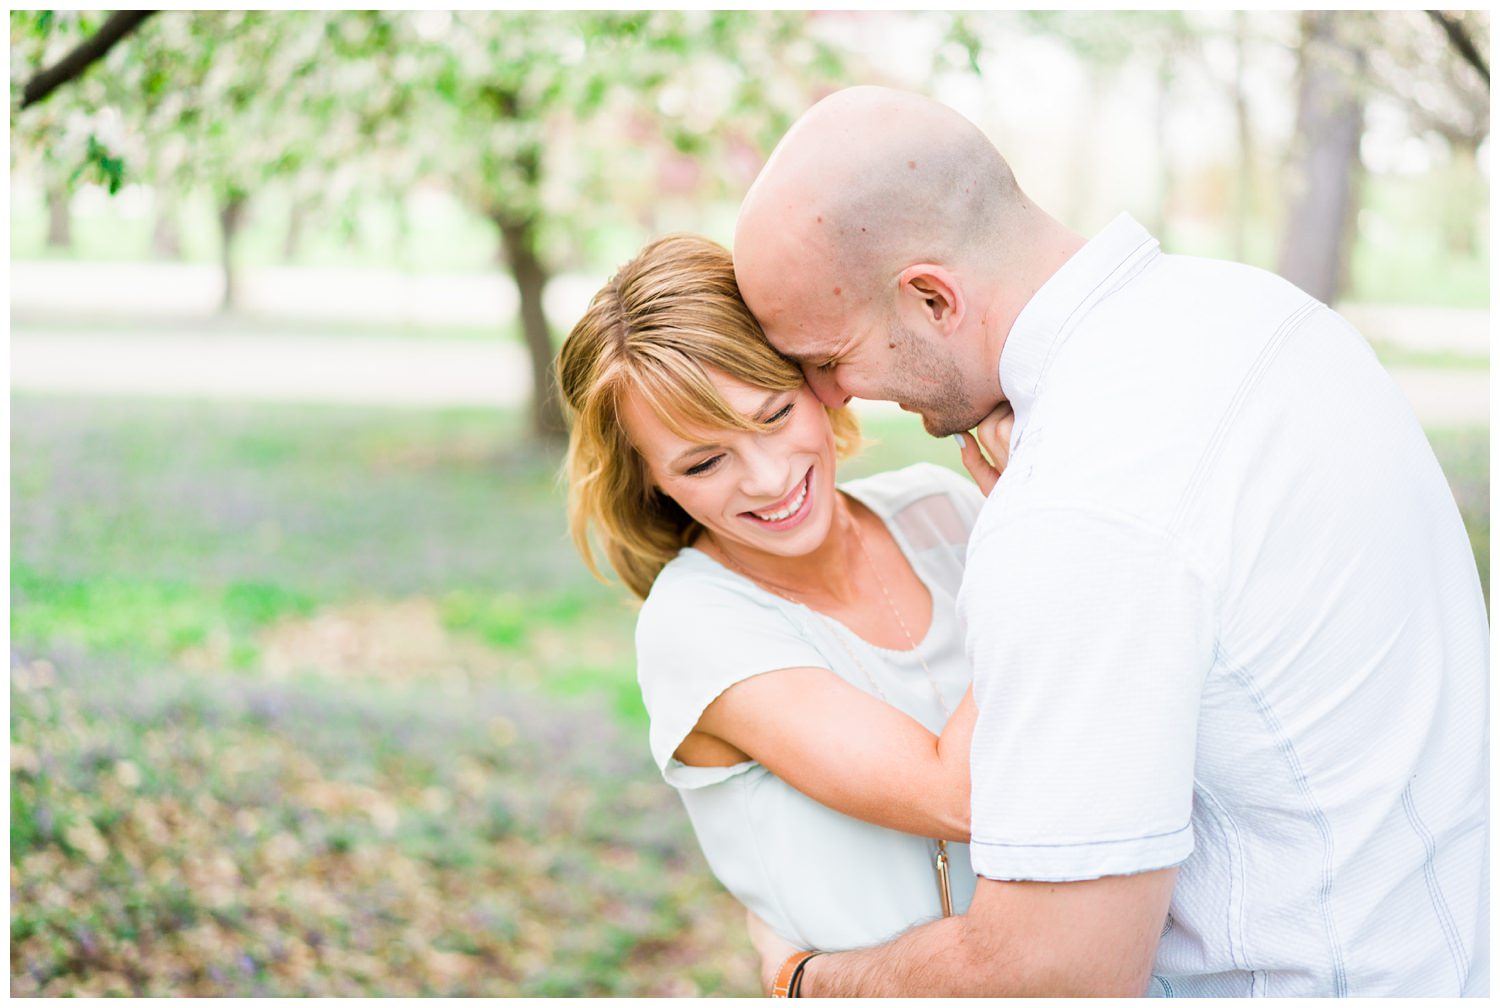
(765, 467)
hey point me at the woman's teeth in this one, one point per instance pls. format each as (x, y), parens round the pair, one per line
(788, 511)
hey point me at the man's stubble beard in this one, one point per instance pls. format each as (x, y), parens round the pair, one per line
(944, 406)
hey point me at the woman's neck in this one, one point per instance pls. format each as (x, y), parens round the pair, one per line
(822, 579)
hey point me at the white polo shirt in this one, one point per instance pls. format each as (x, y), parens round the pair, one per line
(1223, 614)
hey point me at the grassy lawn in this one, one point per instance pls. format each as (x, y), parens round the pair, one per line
(320, 701)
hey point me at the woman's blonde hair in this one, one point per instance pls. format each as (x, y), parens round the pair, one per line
(668, 314)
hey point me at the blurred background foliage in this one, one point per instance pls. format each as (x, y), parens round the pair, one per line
(312, 698)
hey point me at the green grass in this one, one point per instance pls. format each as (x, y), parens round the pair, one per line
(338, 502)
(1464, 454)
(1445, 360)
(320, 701)
(173, 835)
(1412, 238)
(196, 813)
(154, 619)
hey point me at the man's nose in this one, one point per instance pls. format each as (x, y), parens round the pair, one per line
(826, 388)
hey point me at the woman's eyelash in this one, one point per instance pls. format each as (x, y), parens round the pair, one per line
(709, 463)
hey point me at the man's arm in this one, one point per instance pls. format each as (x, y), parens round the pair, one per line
(1093, 938)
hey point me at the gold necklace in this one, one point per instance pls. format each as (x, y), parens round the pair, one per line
(940, 854)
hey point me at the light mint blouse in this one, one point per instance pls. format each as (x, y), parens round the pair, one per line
(819, 878)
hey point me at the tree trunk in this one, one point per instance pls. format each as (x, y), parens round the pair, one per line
(166, 239)
(1463, 196)
(59, 220)
(231, 216)
(1165, 180)
(296, 222)
(1085, 148)
(1330, 120)
(518, 234)
(1244, 190)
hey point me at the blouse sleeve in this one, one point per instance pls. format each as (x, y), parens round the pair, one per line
(966, 496)
(696, 637)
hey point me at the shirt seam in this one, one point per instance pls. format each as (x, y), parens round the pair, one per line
(1119, 275)
(1236, 917)
(1069, 845)
(1320, 819)
(1434, 889)
(1210, 456)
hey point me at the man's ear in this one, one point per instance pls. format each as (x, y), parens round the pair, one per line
(936, 293)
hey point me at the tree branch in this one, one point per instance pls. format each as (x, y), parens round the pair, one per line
(1459, 38)
(89, 51)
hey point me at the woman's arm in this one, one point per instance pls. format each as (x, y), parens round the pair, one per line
(844, 748)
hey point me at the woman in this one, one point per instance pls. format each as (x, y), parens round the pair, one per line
(797, 647)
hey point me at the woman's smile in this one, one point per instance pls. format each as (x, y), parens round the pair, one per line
(790, 511)
(769, 487)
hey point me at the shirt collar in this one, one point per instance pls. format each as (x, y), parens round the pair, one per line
(1045, 322)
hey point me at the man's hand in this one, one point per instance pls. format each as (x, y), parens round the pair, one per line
(993, 434)
(771, 948)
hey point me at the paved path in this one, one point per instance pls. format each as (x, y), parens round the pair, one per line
(186, 352)
(417, 372)
(397, 372)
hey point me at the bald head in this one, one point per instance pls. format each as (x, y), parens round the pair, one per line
(868, 181)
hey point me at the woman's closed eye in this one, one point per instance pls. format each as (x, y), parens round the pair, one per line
(707, 465)
(781, 414)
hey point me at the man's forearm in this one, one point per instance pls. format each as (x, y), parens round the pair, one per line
(930, 960)
(1088, 938)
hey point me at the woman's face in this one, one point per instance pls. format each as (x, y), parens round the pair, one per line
(770, 491)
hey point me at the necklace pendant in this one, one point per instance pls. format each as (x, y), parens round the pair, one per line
(945, 890)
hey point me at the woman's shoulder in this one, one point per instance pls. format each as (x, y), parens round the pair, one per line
(894, 490)
(693, 578)
(701, 630)
(694, 594)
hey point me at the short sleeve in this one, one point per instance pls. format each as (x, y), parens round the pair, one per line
(931, 505)
(967, 499)
(698, 635)
(1091, 639)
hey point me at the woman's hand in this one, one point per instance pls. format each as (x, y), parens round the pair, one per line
(993, 434)
(770, 946)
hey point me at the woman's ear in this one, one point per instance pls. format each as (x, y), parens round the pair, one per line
(936, 293)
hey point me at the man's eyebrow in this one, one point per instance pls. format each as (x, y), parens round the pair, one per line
(760, 411)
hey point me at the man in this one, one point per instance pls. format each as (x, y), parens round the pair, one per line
(1229, 644)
